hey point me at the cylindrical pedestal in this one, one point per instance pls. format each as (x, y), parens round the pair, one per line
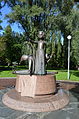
(35, 94)
(44, 103)
(35, 85)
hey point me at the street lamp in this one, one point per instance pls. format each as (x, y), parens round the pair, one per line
(69, 38)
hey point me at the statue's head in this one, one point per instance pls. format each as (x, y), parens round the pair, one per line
(41, 34)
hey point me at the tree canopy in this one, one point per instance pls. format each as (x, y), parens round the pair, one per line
(57, 18)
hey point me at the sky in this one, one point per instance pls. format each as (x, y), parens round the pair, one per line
(5, 10)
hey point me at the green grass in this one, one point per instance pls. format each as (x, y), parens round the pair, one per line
(7, 74)
(62, 74)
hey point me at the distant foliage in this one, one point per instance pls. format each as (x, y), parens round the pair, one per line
(57, 18)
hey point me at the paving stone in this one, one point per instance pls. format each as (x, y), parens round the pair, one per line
(2, 105)
(5, 112)
(1, 97)
(2, 118)
(61, 115)
(34, 116)
(4, 91)
(73, 97)
(31, 117)
(16, 115)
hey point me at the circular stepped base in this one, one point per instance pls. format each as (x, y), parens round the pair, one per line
(44, 103)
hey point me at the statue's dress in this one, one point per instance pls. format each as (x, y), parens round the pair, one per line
(40, 59)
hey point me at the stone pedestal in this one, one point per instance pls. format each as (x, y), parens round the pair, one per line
(44, 103)
(35, 85)
(36, 93)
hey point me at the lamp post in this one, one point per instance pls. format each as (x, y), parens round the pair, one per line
(69, 38)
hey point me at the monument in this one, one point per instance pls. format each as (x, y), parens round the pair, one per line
(35, 89)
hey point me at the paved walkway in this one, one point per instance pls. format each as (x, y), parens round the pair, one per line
(69, 112)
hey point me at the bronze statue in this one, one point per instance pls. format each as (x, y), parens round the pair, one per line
(40, 54)
(31, 62)
(37, 63)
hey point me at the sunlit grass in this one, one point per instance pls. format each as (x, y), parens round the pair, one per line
(62, 74)
(7, 74)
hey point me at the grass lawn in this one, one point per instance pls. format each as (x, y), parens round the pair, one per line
(62, 74)
(7, 74)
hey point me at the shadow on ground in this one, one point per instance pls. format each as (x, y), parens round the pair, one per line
(76, 73)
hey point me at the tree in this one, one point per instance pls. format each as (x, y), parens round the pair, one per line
(2, 50)
(50, 16)
(13, 45)
(0, 20)
(75, 47)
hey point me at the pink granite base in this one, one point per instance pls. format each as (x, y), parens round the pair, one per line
(44, 103)
(35, 85)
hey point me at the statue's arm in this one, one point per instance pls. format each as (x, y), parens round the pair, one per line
(48, 57)
(33, 41)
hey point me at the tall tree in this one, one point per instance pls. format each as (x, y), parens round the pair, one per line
(2, 50)
(75, 47)
(13, 45)
(50, 16)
